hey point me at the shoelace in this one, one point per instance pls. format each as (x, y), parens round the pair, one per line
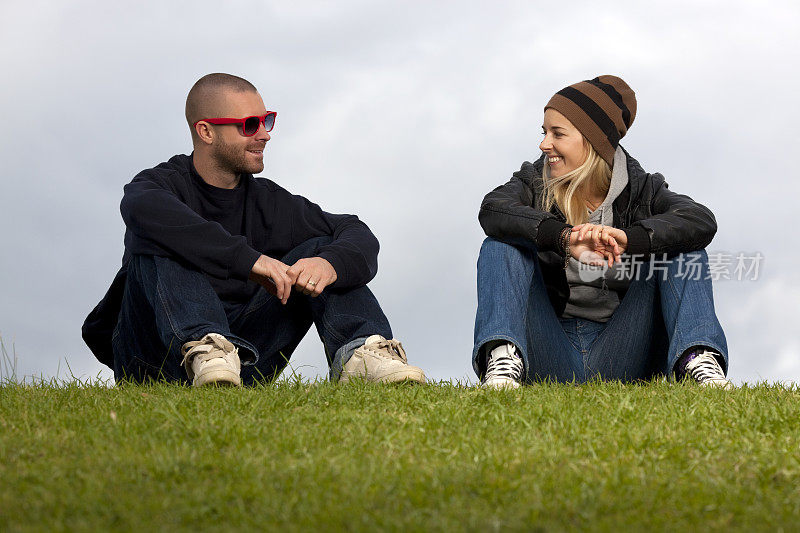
(704, 367)
(391, 347)
(202, 349)
(503, 365)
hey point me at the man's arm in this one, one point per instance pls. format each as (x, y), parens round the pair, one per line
(272, 275)
(353, 252)
(312, 275)
(159, 223)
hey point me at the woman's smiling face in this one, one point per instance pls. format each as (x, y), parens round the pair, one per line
(563, 144)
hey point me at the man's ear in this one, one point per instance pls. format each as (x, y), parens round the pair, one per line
(204, 132)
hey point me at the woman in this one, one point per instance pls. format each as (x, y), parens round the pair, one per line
(592, 267)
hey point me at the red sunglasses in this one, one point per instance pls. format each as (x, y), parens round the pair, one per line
(247, 126)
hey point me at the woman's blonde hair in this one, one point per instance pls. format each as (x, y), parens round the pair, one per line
(569, 191)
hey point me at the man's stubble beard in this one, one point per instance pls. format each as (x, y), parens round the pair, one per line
(233, 158)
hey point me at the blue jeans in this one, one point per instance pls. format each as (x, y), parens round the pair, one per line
(656, 322)
(167, 304)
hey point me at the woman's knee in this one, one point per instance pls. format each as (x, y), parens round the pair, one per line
(687, 265)
(493, 250)
(507, 269)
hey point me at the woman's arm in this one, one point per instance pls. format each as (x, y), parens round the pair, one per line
(678, 224)
(508, 214)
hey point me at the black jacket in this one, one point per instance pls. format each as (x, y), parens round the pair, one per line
(162, 210)
(655, 219)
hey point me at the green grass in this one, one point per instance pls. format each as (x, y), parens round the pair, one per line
(300, 456)
(8, 363)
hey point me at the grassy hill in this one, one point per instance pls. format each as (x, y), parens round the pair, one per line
(298, 456)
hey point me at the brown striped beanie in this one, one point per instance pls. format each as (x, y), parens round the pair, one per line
(602, 109)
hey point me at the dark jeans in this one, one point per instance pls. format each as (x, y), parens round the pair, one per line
(167, 304)
(656, 321)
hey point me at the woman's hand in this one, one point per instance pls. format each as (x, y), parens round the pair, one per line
(603, 243)
(599, 232)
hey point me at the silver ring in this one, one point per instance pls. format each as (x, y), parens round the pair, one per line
(312, 283)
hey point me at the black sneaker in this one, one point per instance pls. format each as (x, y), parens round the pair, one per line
(702, 367)
(503, 369)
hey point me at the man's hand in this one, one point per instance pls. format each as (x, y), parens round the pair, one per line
(603, 243)
(271, 274)
(311, 275)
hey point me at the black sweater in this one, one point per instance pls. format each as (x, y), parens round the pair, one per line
(170, 211)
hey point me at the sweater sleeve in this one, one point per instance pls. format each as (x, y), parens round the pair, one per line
(160, 223)
(353, 251)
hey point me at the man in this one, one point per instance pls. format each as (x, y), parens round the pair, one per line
(224, 273)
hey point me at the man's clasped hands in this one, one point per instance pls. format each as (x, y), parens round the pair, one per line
(309, 275)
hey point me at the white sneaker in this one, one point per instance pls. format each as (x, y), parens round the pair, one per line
(212, 359)
(380, 360)
(503, 369)
(705, 370)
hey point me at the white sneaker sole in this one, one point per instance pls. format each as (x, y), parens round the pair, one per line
(501, 383)
(217, 377)
(718, 384)
(410, 375)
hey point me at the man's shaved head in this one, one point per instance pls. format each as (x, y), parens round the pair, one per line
(206, 98)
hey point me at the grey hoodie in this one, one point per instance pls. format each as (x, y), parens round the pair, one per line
(592, 289)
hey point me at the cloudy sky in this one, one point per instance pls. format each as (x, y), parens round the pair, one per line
(405, 113)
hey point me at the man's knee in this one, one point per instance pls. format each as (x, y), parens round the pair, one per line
(139, 265)
(309, 248)
(148, 269)
(145, 267)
